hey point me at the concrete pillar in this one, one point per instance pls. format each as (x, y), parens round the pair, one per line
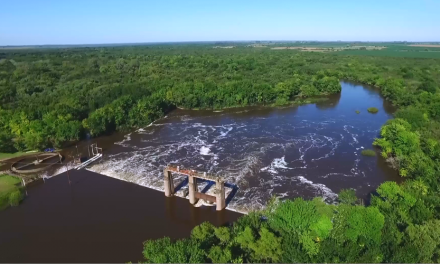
(168, 183)
(220, 195)
(192, 188)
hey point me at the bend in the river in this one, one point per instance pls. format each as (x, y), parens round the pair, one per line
(303, 151)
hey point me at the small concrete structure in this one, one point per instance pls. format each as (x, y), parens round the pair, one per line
(39, 161)
(194, 195)
(96, 152)
(88, 162)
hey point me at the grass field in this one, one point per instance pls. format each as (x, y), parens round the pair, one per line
(365, 49)
(8, 185)
(393, 53)
(405, 51)
(4, 156)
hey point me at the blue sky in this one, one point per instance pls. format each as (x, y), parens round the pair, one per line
(31, 22)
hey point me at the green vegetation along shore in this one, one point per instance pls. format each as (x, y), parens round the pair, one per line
(4, 156)
(10, 192)
(368, 152)
(49, 97)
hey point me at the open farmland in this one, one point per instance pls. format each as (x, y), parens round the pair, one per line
(425, 45)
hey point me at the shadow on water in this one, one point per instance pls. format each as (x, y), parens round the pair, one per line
(207, 187)
(232, 193)
(183, 183)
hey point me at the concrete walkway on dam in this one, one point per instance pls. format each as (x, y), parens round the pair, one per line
(95, 219)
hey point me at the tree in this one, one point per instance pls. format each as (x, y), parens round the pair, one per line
(181, 251)
(223, 234)
(267, 247)
(356, 235)
(305, 220)
(421, 243)
(428, 85)
(6, 142)
(220, 255)
(347, 196)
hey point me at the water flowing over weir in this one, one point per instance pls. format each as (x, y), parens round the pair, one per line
(306, 151)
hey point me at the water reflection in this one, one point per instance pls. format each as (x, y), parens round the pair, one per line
(332, 102)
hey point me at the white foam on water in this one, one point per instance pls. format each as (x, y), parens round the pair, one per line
(321, 189)
(59, 169)
(355, 169)
(236, 151)
(353, 135)
(205, 151)
(186, 118)
(333, 144)
(277, 163)
(225, 133)
(336, 174)
(282, 195)
(153, 124)
(122, 142)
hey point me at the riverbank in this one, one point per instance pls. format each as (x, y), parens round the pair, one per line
(9, 186)
(7, 156)
(95, 219)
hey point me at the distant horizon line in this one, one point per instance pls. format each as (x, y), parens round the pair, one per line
(218, 41)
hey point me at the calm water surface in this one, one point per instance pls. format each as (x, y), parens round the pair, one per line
(94, 218)
(306, 151)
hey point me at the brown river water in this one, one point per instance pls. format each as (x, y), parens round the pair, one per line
(304, 151)
(95, 218)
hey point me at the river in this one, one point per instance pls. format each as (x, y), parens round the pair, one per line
(302, 151)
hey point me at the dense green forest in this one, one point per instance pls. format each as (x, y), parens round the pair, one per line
(49, 97)
(52, 96)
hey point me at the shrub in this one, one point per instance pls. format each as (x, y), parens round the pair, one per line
(368, 152)
(4, 201)
(358, 112)
(165, 251)
(15, 197)
(347, 196)
(373, 110)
